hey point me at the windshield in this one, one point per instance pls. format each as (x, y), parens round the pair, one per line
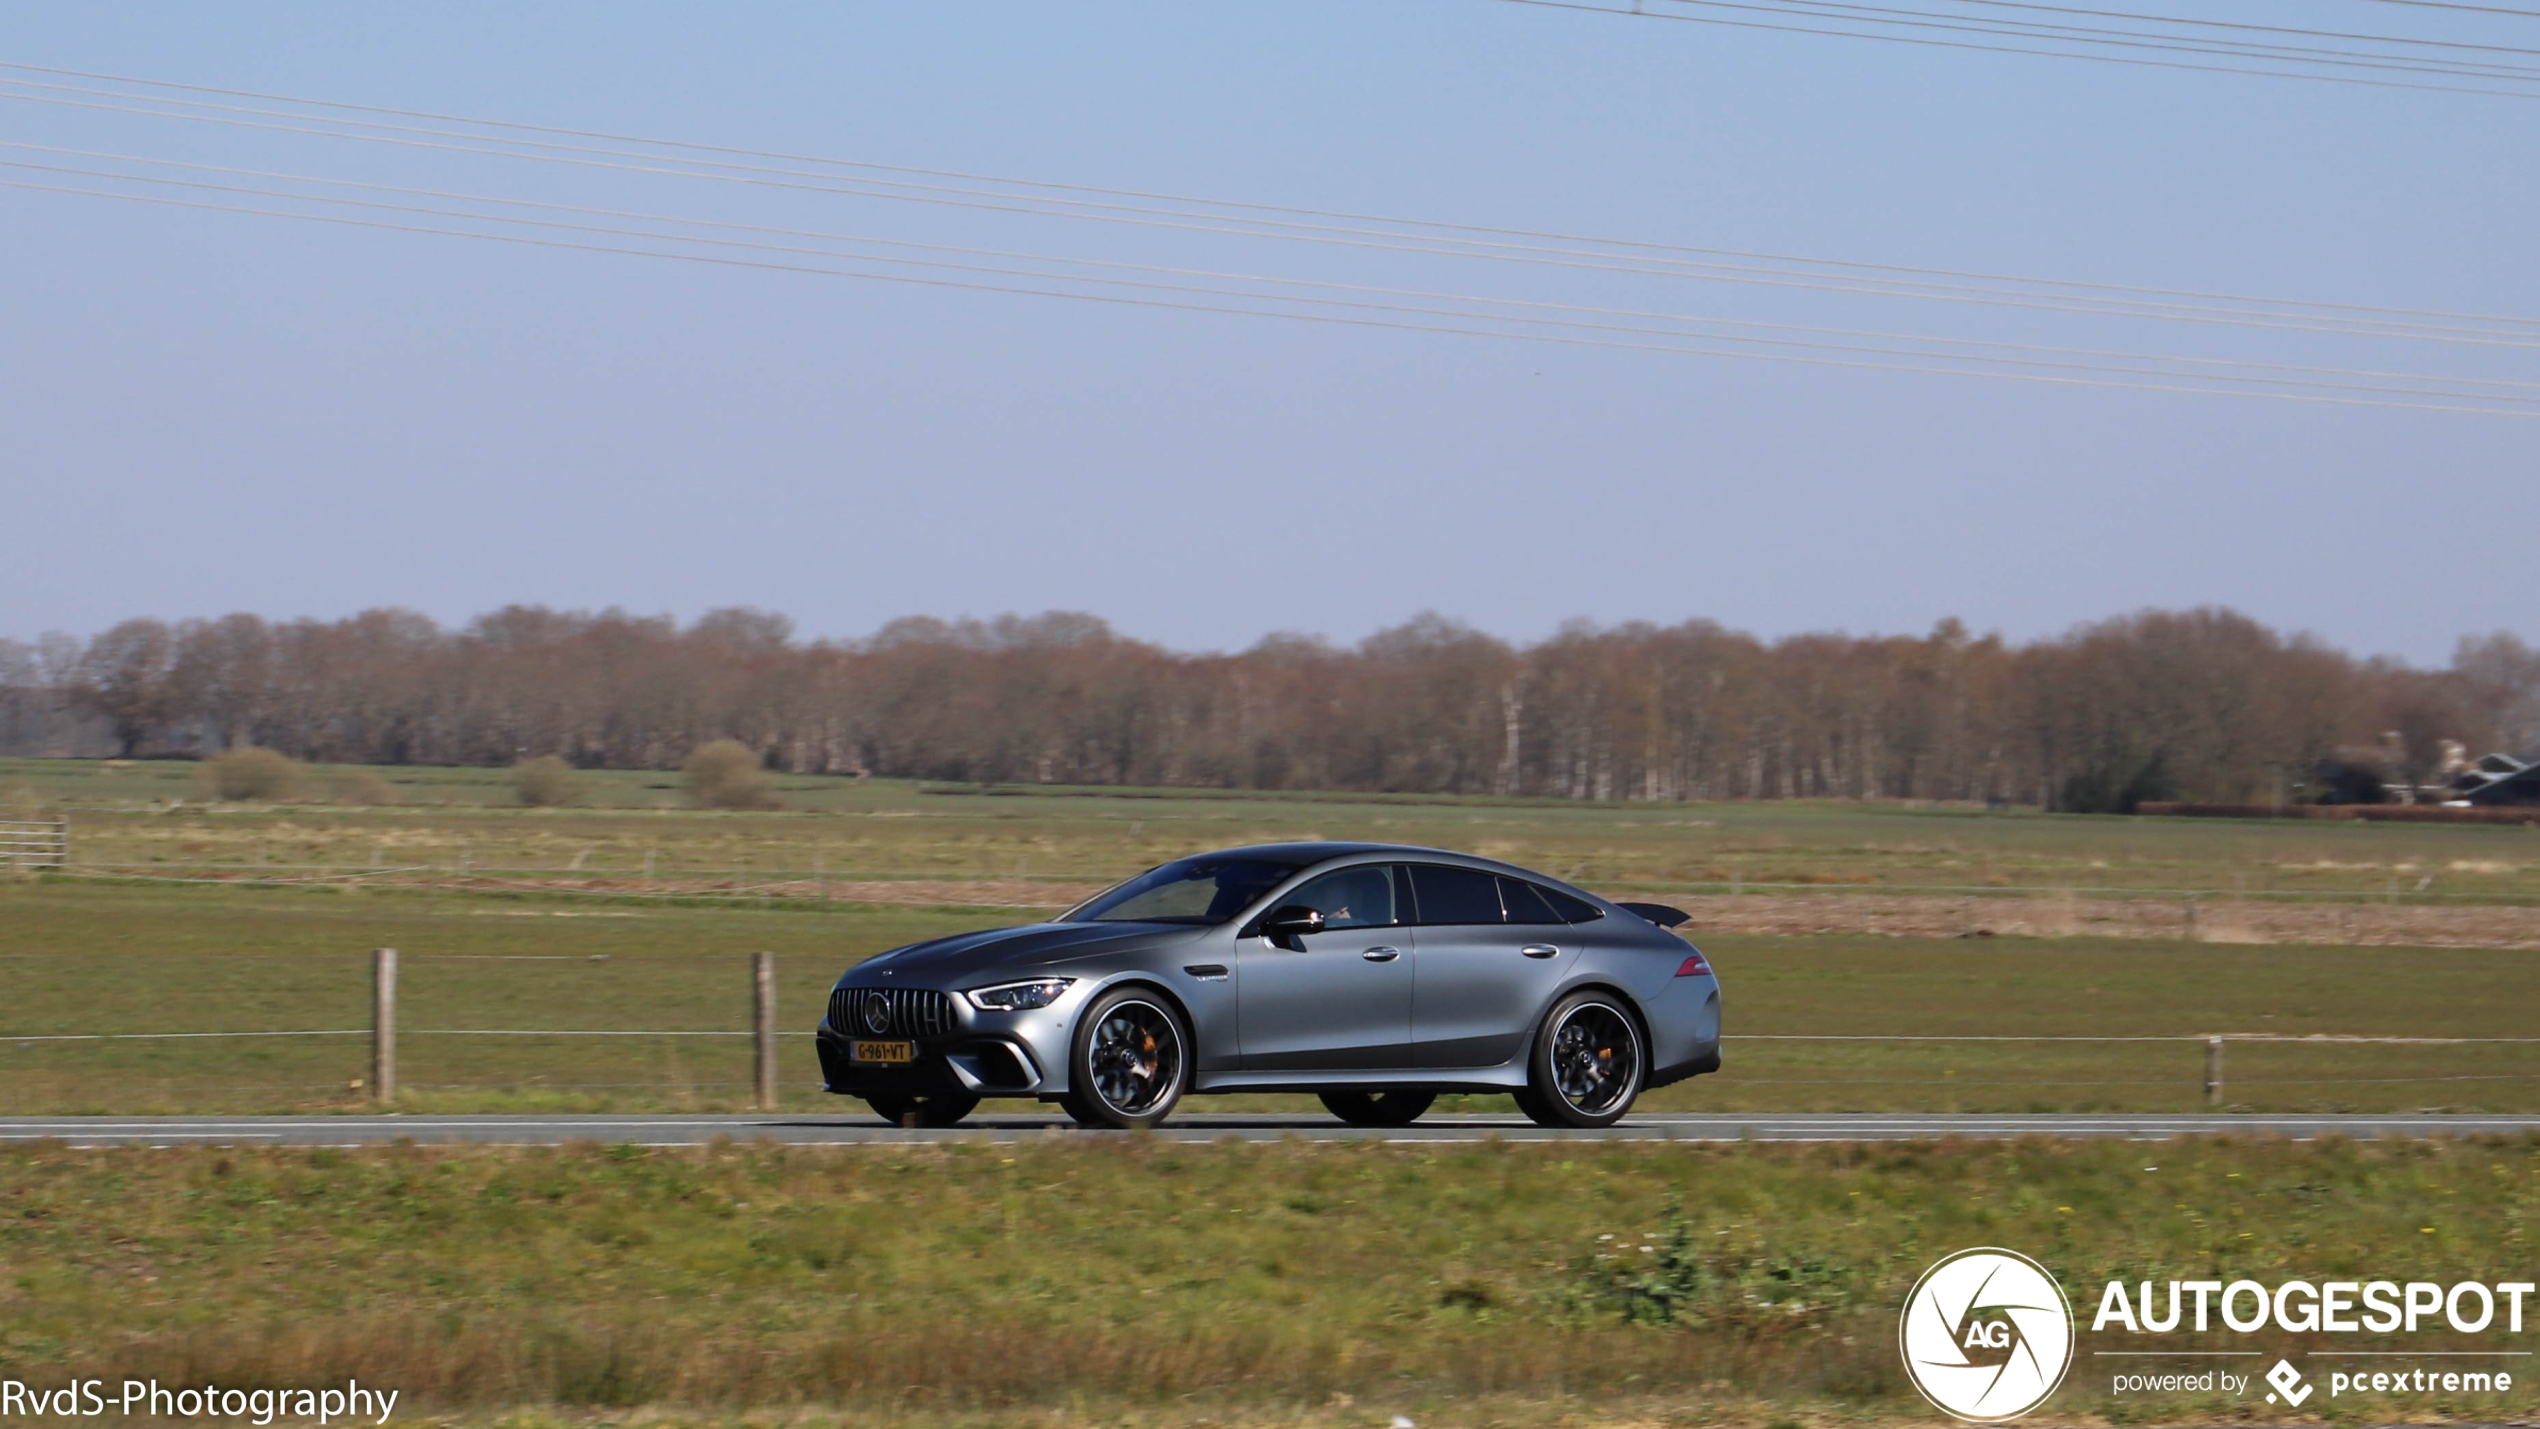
(1205, 891)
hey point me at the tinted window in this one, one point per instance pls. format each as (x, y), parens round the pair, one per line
(1568, 909)
(1351, 898)
(1191, 890)
(1455, 895)
(1525, 903)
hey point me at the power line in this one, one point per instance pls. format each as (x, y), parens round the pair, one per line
(1851, 12)
(1850, 277)
(1402, 319)
(1270, 295)
(2474, 9)
(2135, 61)
(1845, 11)
(1436, 231)
(2241, 25)
(1529, 311)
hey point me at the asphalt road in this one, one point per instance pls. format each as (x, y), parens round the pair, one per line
(851, 1130)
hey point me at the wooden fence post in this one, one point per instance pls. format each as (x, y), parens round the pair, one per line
(2213, 1071)
(383, 1025)
(763, 1021)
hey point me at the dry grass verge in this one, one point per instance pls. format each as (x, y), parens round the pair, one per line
(1133, 1280)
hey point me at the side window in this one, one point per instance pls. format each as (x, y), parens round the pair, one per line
(1569, 909)
(1351, 898)
(1526, 903)
(1455, 895)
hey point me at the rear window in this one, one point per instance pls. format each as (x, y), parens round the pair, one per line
(1570, 909)
(1525, 903)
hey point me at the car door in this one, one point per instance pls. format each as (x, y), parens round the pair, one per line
(1491, 951)
(1338, 1000)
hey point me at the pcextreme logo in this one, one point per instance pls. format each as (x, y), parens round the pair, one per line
(1986, 1335)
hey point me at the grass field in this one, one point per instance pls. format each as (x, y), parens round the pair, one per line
(1125, 1281)
(81, 958)
(1136, 1282)
(634, 912)
(149, 817)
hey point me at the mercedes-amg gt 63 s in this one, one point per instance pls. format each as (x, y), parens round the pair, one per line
(1375, 976)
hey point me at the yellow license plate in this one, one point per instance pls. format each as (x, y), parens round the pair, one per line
(880, 1051)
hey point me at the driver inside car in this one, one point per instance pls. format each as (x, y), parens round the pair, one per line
(1352, 898)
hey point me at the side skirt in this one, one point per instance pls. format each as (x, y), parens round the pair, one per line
(1507, 1077)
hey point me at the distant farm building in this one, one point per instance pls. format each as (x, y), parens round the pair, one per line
(2497, 779)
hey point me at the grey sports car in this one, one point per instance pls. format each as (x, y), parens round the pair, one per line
(1374, 975)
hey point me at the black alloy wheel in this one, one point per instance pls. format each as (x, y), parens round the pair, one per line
(928, 1109)
(1378, 1108)
(1588, 1063)
(1130, 1063)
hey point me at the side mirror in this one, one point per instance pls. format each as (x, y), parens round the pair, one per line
(1285, 926)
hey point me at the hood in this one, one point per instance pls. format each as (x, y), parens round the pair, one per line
(1023, 950)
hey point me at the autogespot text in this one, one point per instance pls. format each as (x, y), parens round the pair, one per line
(88, 1399)
(2328, 1307)
(2335, 1307)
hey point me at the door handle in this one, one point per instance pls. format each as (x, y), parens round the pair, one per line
(1540, 950)
(1381, 955)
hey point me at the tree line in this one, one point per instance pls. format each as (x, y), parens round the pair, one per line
(2202, 704)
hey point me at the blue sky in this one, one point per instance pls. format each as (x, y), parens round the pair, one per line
(213, 411)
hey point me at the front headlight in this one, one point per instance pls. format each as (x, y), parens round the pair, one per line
(1018, 996)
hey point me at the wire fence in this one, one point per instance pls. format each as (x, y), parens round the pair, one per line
(2055, 1072)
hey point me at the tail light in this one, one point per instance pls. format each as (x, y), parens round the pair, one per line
(1695, 966)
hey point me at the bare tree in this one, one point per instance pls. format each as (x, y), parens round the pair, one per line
(2204, 704)
(126, 677)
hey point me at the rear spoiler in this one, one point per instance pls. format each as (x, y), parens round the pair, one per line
(1658, 913)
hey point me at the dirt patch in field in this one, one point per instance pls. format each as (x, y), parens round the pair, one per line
(980, 893)
(2065, 915)
(949, 892)
(2050, 914)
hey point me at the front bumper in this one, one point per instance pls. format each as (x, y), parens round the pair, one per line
(958, 1047)
(971, 1063)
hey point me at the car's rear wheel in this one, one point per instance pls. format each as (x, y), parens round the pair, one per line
(1378, 1108)
(1130, 1063)
(926, 1109)
(1588, 1063)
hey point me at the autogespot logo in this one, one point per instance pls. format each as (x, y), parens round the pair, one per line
(1987, 1335)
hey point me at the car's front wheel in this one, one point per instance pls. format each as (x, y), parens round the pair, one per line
(929, 1109)
(1130, 1062)
(1588, 1064)
(1378, 1108)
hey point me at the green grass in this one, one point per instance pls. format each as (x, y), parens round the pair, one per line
(77, 959)
(81, 958)
(150, 816)
(1125, 1280)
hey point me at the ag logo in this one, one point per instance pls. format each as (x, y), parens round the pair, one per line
(1987, 1335)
